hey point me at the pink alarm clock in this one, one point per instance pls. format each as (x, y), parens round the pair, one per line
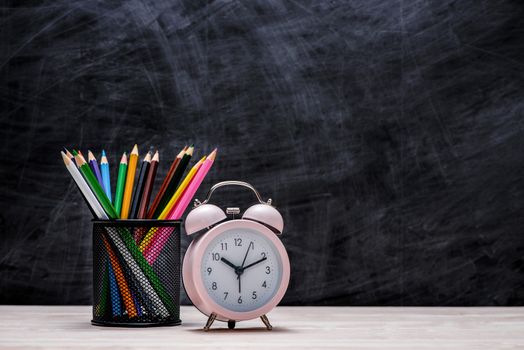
(235, 269)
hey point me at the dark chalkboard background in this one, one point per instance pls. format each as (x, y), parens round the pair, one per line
(389, 133)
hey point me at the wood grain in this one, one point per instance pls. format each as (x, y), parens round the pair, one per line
(67, 327)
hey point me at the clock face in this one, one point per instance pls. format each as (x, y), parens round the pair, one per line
(241, 269)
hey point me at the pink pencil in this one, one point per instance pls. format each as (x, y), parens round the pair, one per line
(176, 213)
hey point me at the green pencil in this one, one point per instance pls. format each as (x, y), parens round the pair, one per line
(120, 184)
(95, 186)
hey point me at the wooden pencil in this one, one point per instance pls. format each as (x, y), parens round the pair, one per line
(146, 278)
(89, 196)
(146, 241)
(180, 190)
(148, 187)
(120, 183)
(180, 207)
(139, 188)
(166, 181)
(130, 181)
(106, 177)
(159, 240)
(139, 233)
(121, 281)
(95, 186)
(93, 164)
(173, 184)
(72, 158)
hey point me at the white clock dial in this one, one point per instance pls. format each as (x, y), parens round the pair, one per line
(241, 270)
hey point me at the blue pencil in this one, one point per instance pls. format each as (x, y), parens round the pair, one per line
(115, 295)
(94, 166)
(106, 181)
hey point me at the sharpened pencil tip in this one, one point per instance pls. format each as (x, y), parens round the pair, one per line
(90, 156)
(147, 158)
(67, 153)
(75, 153)
(104, 153)
(124, 158)
(66, 159)
(213, 154)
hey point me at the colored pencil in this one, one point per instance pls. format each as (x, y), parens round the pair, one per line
(139, 188)
(93, 205)
(146, 241)
(179, 209)
(127, 248)
(70, 156)
(120, 183)
(158, 242)
(180, 190)
(173, 184)
(148, 187)
(106, 178)
(130, 181)
(93, 164)
(122, 284)
(89, 196)
(113, 283)
(95, 186)
(166, 181)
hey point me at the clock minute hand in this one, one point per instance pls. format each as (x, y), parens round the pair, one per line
(256, 262)
(229, 263)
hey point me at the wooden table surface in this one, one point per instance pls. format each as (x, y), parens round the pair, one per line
(68, 327)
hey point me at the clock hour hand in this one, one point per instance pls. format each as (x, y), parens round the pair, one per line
(256, 262)
(229, 263)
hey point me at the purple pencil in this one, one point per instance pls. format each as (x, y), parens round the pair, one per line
(94, 166)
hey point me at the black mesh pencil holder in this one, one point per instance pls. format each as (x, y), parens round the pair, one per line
(136, 273)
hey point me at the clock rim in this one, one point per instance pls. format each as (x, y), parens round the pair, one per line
(194, 285)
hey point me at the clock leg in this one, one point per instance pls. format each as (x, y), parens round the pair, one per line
(210, 321)
(266, 322)
(231, 324)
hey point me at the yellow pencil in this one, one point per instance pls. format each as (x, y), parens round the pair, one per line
(130, 180)
(187, 180)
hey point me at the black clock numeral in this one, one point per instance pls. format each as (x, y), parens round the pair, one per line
(214, 286)
(252, 245)
(239, 300)
(223, 246)
(263, 254)
(209, 270)
(264, 284)
(216, 256)
(225, 295)
(254, 295)
(238, 242)
(268, 270)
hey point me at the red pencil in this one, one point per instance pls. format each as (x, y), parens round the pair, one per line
(148, 187)
(166, 182)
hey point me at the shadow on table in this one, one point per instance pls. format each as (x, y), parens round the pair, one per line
(242, 330)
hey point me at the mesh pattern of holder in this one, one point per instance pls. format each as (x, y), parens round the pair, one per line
(136, 273)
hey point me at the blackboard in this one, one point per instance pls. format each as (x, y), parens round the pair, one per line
(388, 133)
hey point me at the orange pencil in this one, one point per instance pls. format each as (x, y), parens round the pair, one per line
(130, 180)
(122, 283)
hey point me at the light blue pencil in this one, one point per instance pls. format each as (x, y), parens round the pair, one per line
(106, 185)
(106, 182)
